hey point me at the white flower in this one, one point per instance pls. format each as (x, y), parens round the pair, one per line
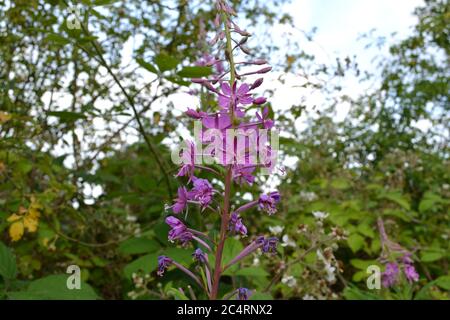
(131, 218)
(287, 242)
(330, 273)
(276, 230)
(308, 196)
(320, 215)
(329, 269)
(256, 261)
(308, 297)
(290, 281)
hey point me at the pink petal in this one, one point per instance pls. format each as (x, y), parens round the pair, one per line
(224, 101)
(226, 88)
(243, 89)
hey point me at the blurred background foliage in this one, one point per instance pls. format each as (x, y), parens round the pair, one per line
(70, 101)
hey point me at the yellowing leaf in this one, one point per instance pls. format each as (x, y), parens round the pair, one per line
(14, 217)
(16, 230)
(30, 223)
(4, 117)
(33, 213)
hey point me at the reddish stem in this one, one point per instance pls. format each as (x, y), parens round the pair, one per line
(223, 235)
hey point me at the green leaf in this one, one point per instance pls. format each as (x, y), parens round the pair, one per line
(195, 72)
(398, 198)
(177, 294)
(260, 296)
(8, 267)
(359, 276)
(178, 80)
(430, 256)
(355, 242)
(57, 39)
(353, 293)
(232, 248)
(67, 116)
(252, 272)
(104, 2)
(428, 201)
(54, 287)
(180, 255)
(147, 264)
(362, 264)
(148, 66)
(138, 245)
(166, 62)
(443, 282)
(340, 184)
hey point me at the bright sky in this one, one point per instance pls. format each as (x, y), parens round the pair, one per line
(340, 23)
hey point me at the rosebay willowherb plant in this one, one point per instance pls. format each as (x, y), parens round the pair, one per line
(238, 140)
(396, 259)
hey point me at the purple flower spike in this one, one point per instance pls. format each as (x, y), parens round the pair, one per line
(163, 263)
(199, 256)
(267, 202)
(178, 231)
(243, 293)
(236, 224)
(201, 192)
(390, 275)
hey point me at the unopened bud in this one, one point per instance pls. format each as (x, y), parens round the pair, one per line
(257, 83)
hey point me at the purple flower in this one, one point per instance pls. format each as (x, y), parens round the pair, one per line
(267, 202)
(269, 244)
(178, 231)
(236, 224)
(234, 97)
(390, 275)
(217, 121)
(181, 201)
(243, 174)
(202, 191)
(163, 263)
(264, 119)
(243, 293)
(188, 160)
(206, 60)
(410, 273)
(199, 256)
(406, 259)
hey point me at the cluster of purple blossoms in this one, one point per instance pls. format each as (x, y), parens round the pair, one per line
(233, 98)
(391, 275)
(393, 268)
